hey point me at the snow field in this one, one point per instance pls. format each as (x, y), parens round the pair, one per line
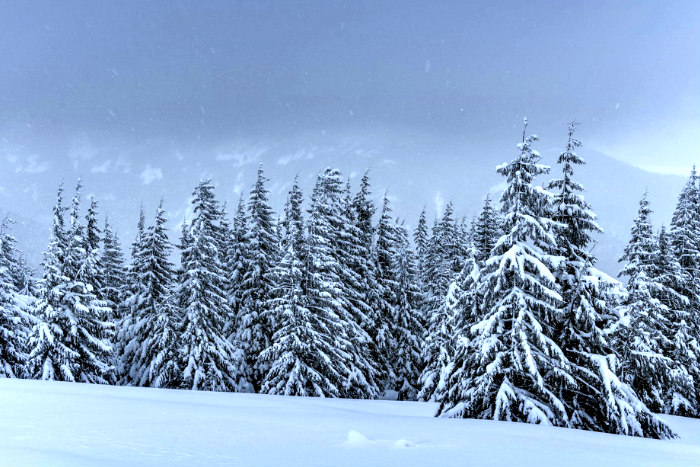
(67, 424)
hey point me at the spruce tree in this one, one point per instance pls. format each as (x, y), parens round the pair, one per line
(15, 321)
(442, 266)
(462, 305)
(255, 323)
(208, 360)
(303, 352)
(685, 238)
(114, 270)
(70, 342)
(406, 325)
(599, 400)
(329, 289)
(681, 345)
(514, 367)
(486, 231)
(385, 299)
(150, 354)
(642, 342)
(235, 268)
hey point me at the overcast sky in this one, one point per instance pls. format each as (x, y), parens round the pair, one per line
(151, 79)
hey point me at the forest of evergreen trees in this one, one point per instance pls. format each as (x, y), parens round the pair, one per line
(501, 317)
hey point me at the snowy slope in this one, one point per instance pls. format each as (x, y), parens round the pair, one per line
(64, 424)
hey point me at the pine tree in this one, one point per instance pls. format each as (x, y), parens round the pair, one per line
(642, 342)
(685, 237)
(235, 267)
(70, 341)
(420, 240)
(486, 231)
(131, 290)
(92, 242)
(599, 400)
(150, 354)
(442, 266)
(255, 324)
(384, 301)
(514, 367)
(463, 307)
(114, 271)
(14, 320)
(209, 361)
(303, 349)
(329, 289)
(682, 347)
(407, 329)
(361, 259)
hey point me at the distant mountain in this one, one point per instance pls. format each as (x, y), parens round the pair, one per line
(416, 173)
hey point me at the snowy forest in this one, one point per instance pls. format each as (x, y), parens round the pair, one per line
(501, 317)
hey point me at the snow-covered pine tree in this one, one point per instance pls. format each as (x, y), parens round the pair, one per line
(685, 237)
(361, 259)
(329, 289)
(303, 353)
(94, 273)
(235, 267)
(15, 321)
(442, 266)
(131, 290)
(384, 299)
(599, 400)
(150, 354)
(208, 360)
(70, 341)
(407, 327)
(515, 368)
(642, 342)
(486, 230)
(682, 347)
(114, 270)
(421, 238)
(462, 305)
(255, 324)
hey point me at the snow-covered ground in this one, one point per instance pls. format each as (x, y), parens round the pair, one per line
(64, 424)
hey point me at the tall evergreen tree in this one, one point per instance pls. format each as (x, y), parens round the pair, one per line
(150, 353)
(14, 320)
(685, 238)
(385, 299)
(642, 342)
(406, 325)
(303, 353)
(329, 289)
(209, 361)
(235, 268)
(462, 305)
(682, 346)
(421, 238)
(486, 231)
(598, 400)
(70, 341)
(255, 324)
(114, 270)
(515, 368)
(443, 263)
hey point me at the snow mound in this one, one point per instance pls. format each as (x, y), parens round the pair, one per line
(355, 439)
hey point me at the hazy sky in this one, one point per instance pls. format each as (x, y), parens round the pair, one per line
(146, 80)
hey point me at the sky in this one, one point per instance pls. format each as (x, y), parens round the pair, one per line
(142, 97)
